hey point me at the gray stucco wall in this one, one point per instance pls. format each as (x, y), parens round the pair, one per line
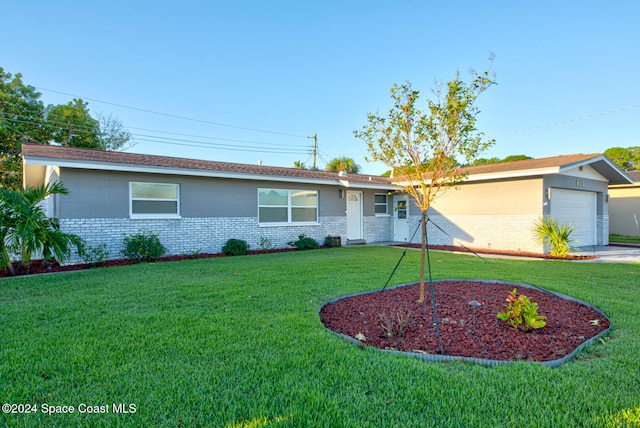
(105, 194)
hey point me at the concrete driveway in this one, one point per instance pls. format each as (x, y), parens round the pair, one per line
(613, 254)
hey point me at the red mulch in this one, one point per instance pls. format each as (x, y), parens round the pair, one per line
(40, 266)
(499, 252)
(465, 332)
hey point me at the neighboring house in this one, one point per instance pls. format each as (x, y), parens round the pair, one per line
(624, 207)
(197, 205)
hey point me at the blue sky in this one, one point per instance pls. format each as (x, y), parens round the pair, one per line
(567, 71)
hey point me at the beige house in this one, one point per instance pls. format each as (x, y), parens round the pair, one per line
(624, 207)
(497, 206)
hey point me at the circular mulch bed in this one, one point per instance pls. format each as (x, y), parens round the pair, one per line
(393, 320)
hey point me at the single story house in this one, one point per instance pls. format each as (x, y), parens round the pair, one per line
(196, 206)
(624, 207)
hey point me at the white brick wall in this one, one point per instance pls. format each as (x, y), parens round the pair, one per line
(188, 235)
(377, 228)
(508, 232)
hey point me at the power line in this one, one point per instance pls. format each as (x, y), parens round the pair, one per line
(169, 140)
(223, 148)
(174, 115)
(203, 144)
(564, 122)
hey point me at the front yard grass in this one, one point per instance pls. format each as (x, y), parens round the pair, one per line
(623, 239)
(237, 342)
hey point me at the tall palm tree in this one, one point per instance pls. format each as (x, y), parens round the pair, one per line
(26, 229)
(345, 164)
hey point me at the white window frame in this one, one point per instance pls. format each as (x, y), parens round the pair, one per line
(386, 205)
(289, 222)
(154, 215)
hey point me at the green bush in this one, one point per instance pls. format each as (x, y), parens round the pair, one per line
(143, 247)
(305, 243)
(95, 255)
(235, 247)
(265, 244)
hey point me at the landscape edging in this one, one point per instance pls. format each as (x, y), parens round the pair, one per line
(479, 361)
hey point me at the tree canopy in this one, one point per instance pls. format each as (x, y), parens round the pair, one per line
(627, 158)
(25, 118)
(345, 164)
(490, 161)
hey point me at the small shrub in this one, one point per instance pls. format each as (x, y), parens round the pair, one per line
(95, 255)
(395, 325)
(235, 247)
(265, 244)
(143, 247)
(521, 313)
(305, 243)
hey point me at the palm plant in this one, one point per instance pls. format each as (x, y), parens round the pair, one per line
(345, 164)
(26, 229)
(555, 236)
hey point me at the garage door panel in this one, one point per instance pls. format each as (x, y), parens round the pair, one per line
(576, 208)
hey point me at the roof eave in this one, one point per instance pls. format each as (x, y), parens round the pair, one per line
(153, 169)
(605, 167)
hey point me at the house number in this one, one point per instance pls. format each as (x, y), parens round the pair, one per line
(580, 183)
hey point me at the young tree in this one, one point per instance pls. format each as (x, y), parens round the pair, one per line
(299, 165)
(345, 164)
(425, 150)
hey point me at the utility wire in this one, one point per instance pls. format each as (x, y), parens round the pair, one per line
(564, 122)
(203, 144)
(174, 115)
(223, 148)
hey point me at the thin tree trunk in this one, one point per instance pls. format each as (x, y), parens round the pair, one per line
(423, 252)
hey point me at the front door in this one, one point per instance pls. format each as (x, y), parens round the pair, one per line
(354, 215)
(401, 218)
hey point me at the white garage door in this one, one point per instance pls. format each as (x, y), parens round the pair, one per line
(579, 209)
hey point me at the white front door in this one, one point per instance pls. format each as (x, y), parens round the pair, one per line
(401, 218)
(354, 215)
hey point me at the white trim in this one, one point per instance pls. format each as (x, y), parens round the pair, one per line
(386, 205)
(134, 216)
(290, 208)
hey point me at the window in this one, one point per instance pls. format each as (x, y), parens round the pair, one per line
(154, 200)
(287, 206)
(381, 204)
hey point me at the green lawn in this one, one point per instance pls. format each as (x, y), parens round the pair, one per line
(236, 342)
(624, 239)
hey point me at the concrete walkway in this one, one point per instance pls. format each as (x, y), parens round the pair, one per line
(605, 254)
